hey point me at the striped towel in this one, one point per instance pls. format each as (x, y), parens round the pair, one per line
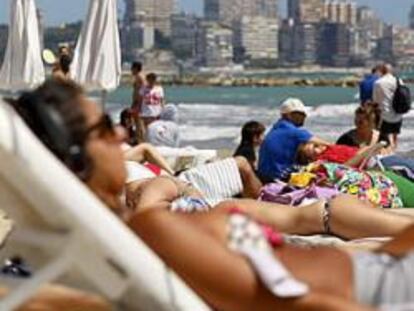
(217, 181)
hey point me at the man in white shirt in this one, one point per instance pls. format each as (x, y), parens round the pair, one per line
(384, 90)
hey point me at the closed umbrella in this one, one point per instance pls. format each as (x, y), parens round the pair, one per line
(22, 66)
(97, 60)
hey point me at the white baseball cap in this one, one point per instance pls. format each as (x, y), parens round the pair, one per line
(292, 105)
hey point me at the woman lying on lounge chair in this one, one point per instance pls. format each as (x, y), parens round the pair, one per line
(258, 270)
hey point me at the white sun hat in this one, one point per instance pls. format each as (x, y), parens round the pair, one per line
(292, 105)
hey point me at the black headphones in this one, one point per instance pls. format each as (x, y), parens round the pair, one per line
(49, 124)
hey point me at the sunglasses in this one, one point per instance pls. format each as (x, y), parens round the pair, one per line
(104, 127)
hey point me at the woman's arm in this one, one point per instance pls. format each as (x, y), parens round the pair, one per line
(147, 152)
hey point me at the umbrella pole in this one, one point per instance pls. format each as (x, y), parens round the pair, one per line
(103, 100)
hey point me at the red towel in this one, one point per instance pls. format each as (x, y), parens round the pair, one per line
(338, 154)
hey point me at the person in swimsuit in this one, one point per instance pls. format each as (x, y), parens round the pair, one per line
(196, 245)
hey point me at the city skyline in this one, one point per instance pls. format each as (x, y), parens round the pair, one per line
(58, 11)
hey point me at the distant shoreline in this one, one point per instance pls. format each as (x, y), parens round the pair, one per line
(281, 77)
(203, 81)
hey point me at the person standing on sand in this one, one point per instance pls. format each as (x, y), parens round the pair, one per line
(384, 90)
(152, 100)
(61, 69)
(138, 84)
(366, 87)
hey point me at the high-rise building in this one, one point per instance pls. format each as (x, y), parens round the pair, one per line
(411, 17)
(340, 12)
(184, 30)
(335, 48)
(306, 11)
(257, 38)
(298, 43)
(215, 45)
(154, 13)
(397, 42)
(227, 11)
(367, 19)
(286, 34)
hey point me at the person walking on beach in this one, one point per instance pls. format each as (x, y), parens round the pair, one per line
(384, 91)
(278, 151)
(152, 99)
(137, 84)
(366, 87)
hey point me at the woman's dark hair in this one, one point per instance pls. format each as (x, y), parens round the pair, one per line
(53, 113)
(124, 117)
(64, 63)
(132, 132)
(250, 130)
(371, 112)
(246, 148)
(151, 77)
(136, 66)
(301, 158)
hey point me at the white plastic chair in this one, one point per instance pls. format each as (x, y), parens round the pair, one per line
(55, 214)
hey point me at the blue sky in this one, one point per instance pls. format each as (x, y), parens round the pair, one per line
(58, 11)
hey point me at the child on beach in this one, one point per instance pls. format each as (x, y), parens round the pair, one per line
(252, 136)
(152, 99)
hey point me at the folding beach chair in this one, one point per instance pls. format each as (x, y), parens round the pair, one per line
(62, 227)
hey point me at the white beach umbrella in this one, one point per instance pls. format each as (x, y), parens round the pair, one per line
(97, 60)
(22, 66)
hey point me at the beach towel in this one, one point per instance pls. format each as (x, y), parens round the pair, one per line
(282, 193)
(405, 188)
(371, 186)
(217, 181)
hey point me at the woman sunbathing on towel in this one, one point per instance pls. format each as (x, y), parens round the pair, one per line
(233, 257)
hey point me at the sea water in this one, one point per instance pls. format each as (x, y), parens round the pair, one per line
(211, 117)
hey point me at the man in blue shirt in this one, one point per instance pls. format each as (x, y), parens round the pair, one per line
(366, 87)
(278, 151)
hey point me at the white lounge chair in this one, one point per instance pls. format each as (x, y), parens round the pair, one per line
(61, 225)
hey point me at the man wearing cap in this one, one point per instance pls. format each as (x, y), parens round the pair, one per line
(278, 151)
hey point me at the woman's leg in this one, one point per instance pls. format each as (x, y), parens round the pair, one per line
(193, 246)
(352, 218)
(349, 217)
